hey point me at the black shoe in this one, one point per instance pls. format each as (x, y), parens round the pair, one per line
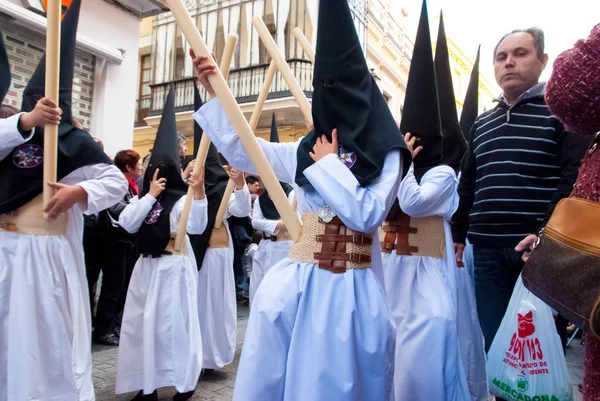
(145, 397)
(183, 396)
(107, 339)
(207, 372)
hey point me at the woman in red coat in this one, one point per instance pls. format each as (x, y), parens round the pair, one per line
(573, 95)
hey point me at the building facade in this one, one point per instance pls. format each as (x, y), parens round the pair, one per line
(106, 66)
(164, 61)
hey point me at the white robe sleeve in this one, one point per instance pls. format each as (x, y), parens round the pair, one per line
(240, 203)
(260, 223)
(362, 209)
(434, 196)
(105, 185)
(10, 137)
(132, 217)
(281, 156)
(198, 216)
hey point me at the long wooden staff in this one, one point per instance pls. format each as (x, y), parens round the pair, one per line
(260, 102)
(310, 52)
(284, 69)
(237, 119)
(203, 149)
(52, 83)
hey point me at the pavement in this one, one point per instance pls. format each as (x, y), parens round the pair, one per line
(219, 385)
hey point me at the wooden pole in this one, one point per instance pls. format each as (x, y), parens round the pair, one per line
(202, 150)
(260, 102)
(225, 65)
(284, 69)
(237, 119)
(52, 85)
(305, 44)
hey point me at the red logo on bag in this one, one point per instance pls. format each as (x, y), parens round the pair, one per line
(526, 326)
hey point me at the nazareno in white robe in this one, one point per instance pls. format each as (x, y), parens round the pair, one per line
(161, 342)
(268, 253)
(420, 291)
(45, 327)
(312, 334)
(217, 307)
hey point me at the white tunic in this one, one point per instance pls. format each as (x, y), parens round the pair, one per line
(312, 334)
(420, 292)
(45, 328)
(160, 341)
(217, 305)
(268, 253)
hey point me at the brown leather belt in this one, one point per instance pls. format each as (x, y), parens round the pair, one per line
(331, 246)
(282, 236)
(219, 238)
(414, 236)
(29, 220)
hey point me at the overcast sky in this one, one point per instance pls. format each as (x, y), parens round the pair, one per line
(472, 22)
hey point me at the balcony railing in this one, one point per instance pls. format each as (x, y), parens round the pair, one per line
(142, 109)
(245, 84)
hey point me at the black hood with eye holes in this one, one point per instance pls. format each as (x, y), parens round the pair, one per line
(346, 97)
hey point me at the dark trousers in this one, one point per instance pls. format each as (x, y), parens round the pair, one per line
(241, 279)
(496, 273)
(109, 256)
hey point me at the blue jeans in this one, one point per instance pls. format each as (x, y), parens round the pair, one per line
(496, 272)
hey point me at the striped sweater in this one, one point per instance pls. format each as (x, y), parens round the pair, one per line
(519, 164)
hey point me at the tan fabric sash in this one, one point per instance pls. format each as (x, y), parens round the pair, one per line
(331, 246)
(219, 238)
(414, 236)
(29, 220)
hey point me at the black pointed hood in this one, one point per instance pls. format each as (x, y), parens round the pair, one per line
(421, 115)
(4, 69)
(346, 97)
(215, 182)
(266, 204)
(22, 169)
(274, 132)
(454, 143)
(155, 232)
(471, 103)
(36, 87)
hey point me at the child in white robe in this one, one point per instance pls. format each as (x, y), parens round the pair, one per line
(217, 307)
(45, 328)
(160, 343)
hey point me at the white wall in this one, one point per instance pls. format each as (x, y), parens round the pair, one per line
(113, 104)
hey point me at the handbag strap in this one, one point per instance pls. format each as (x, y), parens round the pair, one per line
(592, 320)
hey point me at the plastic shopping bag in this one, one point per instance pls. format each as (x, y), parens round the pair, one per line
(526, 359)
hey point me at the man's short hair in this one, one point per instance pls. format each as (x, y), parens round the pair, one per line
(6, 110)
(538, 40)
(251, 180)
(180, 137)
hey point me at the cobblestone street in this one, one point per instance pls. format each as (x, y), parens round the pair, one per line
(219, 385)
(216, 387)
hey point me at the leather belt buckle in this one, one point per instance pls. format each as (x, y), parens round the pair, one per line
(9, 227)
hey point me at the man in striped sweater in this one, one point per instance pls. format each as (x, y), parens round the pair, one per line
(520, 162)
